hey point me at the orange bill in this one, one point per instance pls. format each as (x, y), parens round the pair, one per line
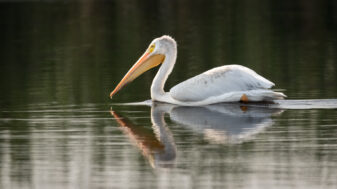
(146, 62)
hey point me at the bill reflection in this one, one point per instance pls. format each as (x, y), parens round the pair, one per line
(157, 147)
(221, 123)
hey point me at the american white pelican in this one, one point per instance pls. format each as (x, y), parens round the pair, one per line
(231, 83)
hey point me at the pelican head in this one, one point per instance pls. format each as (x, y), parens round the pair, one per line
(154, 55)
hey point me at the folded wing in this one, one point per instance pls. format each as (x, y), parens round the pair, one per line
(217, 81)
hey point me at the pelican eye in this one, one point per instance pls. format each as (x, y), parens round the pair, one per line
(152, 48)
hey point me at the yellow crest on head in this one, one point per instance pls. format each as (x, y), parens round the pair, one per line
(151, 48)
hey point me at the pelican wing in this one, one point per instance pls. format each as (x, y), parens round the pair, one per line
(217, 81)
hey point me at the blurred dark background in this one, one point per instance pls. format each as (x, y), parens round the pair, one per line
(74, 52)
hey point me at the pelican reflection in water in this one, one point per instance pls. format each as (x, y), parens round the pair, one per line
(220, 123)
(224, 123)
(158, 147)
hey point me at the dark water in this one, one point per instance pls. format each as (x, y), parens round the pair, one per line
(59, 61)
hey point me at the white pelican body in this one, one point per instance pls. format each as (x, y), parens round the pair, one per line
(231, 83)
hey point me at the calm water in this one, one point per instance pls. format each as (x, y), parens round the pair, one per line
(59, 61)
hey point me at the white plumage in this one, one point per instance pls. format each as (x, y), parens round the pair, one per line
(222, 84)
(218, 81)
